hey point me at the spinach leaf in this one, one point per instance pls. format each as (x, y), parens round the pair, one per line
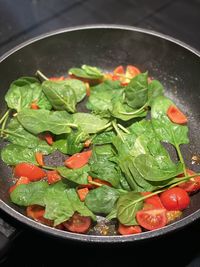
(102, 167)
(30, 194)
(60, 95)
(14, 154)
(78, 205)
(37, 121)
(127, 208)
(58, 207)
(79, 88)
(155, 89)
(75, 141)
(87, 72)
(100, 99)
(23, 92)
(102, 199)
(78, 176)
(61, 203)
(103, 138)
(17, 135)
(137, 91)
(148, 167)
(89, 123)
(61, 144)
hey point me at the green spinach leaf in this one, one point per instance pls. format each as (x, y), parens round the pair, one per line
(87, 72)
(78, 176)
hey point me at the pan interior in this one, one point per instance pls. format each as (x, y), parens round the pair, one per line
(176, 67)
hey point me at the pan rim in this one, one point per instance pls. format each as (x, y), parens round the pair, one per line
(92, 238)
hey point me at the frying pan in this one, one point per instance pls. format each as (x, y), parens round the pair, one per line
(172, 62)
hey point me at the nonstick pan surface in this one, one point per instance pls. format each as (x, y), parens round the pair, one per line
(175, 64)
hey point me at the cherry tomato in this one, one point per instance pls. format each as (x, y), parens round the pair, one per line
(55, 79)
(32, 172)
(53, 177)
(78, 160)
(36, 213)
(175, 115)
(119, 70)
(175, 199)
(152, 219)
(132, 71)
(78, 223)
(192, 185)
(153, 201)
(21, 180)
(129, 230)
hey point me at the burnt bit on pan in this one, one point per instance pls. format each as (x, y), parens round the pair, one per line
(195, 159)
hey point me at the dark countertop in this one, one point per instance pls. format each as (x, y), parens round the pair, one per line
(21, 20)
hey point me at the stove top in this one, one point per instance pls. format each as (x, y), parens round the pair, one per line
(21, 20)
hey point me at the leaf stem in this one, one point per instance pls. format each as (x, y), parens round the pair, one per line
(47, 167)
(41, 75)
(72, 125)
(95, 183)
(5, 116)
(4, 125)
(118, 131)
(105, 127)
(134, 112)
(123, 128)
(181, 158)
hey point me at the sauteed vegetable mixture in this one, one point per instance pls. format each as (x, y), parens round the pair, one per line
(105, 171)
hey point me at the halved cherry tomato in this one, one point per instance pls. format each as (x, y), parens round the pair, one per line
(176, 116)
(87, 143)
(78, 160)
(132, 71)
(153, 201)
(175, 199)
(61, 78)
(103, 182)
(32, 172)
(53, 177)
(173, 215)
(36, 213)
(192, 185)
(78, 223)
(34, 106)
(39, 158)
(129, 230)
(119, 70)
(82, 193)
(152, 219)
(21, 180)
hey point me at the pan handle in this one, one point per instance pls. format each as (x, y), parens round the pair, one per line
(7, 234)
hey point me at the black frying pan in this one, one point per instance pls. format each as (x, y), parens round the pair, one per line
(175, 64)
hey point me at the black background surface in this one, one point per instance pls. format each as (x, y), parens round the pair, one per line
(24, 19)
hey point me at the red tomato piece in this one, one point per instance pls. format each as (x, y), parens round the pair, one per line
(153, 201)
(39, 158)
(34, 106)
(132, 71)
(32, 172)
(129, 230)
(55, 79)
(192, 185)
(176, 116)
(82, 193)
(152, 219)
(53, 177)
(21, 180)
(48, 138)
(36, 213)
(175, 199)
(119, 70)
(78, 160)
(78, 223)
